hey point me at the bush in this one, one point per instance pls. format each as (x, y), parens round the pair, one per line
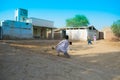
(116, 28)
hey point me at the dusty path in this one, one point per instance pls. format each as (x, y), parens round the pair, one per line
(35, 60)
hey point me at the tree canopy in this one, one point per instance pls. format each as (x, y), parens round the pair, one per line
(77, 21)
(116, 28)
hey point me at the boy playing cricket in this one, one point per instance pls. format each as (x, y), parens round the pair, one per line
(63, 45)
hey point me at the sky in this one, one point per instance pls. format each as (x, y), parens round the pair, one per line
(100, 13)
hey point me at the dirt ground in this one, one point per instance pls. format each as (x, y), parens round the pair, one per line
(35, 60)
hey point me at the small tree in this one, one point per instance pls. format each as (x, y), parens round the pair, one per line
(77, 21)
(116, 28)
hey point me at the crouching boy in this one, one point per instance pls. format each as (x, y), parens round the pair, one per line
(62, 46)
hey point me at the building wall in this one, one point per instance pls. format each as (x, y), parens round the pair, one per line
(57, 35)
(16, 30)
(82, 34)
(0, 32)
(21, 15)
(108, 34)
(77, 34)
(91, 33)
(40, 28)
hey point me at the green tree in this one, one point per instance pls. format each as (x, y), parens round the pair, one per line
(77, 21)
(116, 28)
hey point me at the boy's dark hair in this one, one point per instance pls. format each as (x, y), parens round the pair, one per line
(66, 37)
(70, 43)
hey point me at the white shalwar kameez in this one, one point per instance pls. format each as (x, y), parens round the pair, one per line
(62, 46)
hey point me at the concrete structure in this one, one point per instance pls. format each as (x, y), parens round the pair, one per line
(108, 34)
(16, 30)
(41, 27)
(21, 15)
(34, 28)
(76, 33)
(26, 28)
(82, 33)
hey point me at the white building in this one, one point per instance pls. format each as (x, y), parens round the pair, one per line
(76, 33)
(82, 33)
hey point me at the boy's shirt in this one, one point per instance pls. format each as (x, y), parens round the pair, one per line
(62, 46)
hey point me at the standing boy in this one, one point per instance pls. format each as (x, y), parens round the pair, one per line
(94, 38)
(89, 40)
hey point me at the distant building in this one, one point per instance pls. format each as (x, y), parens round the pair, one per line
(41, 28)
(76, 33)
(16, 30)
(26, 28)
(36, 28)
(108, 34)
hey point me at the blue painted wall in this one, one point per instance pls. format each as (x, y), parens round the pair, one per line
(14, 30)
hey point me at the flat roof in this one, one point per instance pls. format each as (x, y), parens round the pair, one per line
(41, 22)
